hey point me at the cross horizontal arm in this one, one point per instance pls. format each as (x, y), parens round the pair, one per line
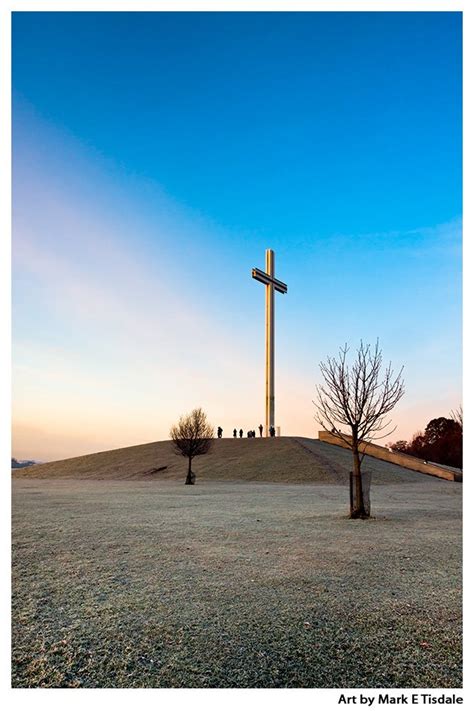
(267, 279)
(279, 286)
(261, 276)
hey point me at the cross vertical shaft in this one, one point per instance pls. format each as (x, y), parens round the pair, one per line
(269, 343)
(271, 285)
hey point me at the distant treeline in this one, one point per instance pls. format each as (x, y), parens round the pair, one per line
(441, 442)
(19, 465)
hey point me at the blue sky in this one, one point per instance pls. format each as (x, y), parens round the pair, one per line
(157, 155)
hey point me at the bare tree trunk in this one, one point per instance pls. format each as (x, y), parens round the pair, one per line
(189, 478)
(358, 511)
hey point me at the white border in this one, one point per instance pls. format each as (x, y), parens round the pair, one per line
(175, 698)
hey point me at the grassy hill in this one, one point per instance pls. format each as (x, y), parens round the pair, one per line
(282, 459)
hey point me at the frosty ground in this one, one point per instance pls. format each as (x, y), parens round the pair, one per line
(235, 584)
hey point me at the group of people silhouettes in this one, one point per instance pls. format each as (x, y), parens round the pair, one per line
(250, 433)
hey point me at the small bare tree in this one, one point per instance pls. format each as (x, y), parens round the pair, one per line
(456, 415)
(192, 437)
(357, 397)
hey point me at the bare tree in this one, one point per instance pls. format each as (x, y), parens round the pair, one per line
(192, 437)
(357, 398)
(456, 415)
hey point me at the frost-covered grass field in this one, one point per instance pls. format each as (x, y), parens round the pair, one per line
(235, 584)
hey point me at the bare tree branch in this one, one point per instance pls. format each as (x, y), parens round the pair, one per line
(457, 416)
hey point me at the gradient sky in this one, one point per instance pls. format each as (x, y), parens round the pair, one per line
(157, 155)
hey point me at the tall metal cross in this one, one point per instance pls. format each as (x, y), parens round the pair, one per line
(268, 278)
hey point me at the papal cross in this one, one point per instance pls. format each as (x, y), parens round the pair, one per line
(268, 278)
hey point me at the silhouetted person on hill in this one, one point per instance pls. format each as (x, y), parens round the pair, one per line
(235, 432)
(253, 433)
(219, 432)
(260, 427)
(241, 432)
(272, 431)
